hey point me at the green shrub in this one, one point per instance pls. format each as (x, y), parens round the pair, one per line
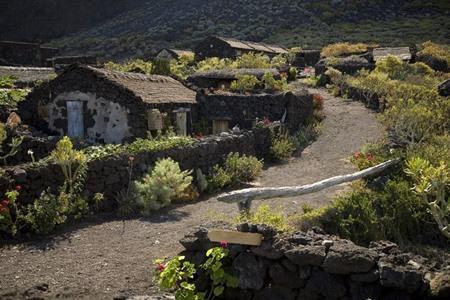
(236, 169)
(164, 184)
(282, 147)
(394, 213)
(440, 52)
(244, 83)
(397, 69)
(264, 214)
(343, 49)
(7, 82)
(10, 98)
(213, 63)
(251, 61)
(46, 213)
(272, 84)
(278, 61)
(136, 65)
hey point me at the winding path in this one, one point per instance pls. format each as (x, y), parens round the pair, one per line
(105, 258)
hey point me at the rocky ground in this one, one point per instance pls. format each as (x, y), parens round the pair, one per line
(108, 257)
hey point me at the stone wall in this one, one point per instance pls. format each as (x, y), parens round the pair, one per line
(110, 174)
(314, 265)
(24, 54)
(242, 110)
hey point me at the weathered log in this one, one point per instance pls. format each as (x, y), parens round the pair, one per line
(247, 195)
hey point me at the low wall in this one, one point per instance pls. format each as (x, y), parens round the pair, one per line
(314, 265)
(243, 109)
(110, 174)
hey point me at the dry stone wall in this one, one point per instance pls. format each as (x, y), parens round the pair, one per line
(314, 265)
(110, 175)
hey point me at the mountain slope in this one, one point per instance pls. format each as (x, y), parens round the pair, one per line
(144, 28)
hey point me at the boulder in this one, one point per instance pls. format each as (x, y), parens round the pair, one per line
(306, 255)
(267, 250)
(275, 293)
(346, 258)
(401, 277)
(327, 285)
(284, 277)
(251, 271)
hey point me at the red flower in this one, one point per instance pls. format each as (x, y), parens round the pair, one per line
(369, 157)
(160, 267)
(4, 209)
(357, 155)
(198, 135)
(5, 203)
(131, 158)
(223, 244)
(266, 121)
(18, 187)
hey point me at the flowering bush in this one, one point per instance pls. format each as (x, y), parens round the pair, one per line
(178, 275)
(318, 102)
(364, 160)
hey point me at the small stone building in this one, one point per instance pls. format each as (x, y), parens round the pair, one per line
(403, 53)
(25, 54)
(170, 54)
(102, 106)
(224, 110)
(306, 58)
(222, 79)
(216, 46)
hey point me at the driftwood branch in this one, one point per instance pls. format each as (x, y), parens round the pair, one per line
(247, 195)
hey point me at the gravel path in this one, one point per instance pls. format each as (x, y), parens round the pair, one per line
(104, 258)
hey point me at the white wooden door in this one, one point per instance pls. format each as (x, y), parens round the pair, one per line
(75, 121)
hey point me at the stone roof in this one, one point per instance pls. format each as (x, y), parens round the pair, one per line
(258, 47)
(28, 75)
(401, 52)
(150, 88)
(232, 74)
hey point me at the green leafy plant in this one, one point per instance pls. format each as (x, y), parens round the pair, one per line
(14, 145)
(251, 60)
(343, 49)
(7, 82)
(432, 182)
(10, 97)
(178, 275)
(270, 216)
(164, 184)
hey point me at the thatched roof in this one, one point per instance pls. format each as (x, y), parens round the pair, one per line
(27, 76)
(149, 88)
(257, 47)
(401, 52)
(231, 74)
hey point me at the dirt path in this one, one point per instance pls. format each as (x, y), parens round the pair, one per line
(103, 259)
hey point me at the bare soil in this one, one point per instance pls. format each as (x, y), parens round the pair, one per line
(106, 257)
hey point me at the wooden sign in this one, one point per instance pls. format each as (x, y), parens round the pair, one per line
(235, 237)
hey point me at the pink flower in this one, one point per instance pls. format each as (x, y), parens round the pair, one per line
(18, 187)
(131, 158)
(223, 244)
(5, 203)
(357, 155)
(369, 157)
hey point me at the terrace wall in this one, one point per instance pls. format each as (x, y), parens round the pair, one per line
(110, 175)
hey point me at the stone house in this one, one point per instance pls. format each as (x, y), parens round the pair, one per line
(170, 54)
(404, 53)
(225, 110)
(25, 54)
(222, 79)
(215, 46)
(102, 106)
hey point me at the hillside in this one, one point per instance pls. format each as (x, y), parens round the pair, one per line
(144, 27)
